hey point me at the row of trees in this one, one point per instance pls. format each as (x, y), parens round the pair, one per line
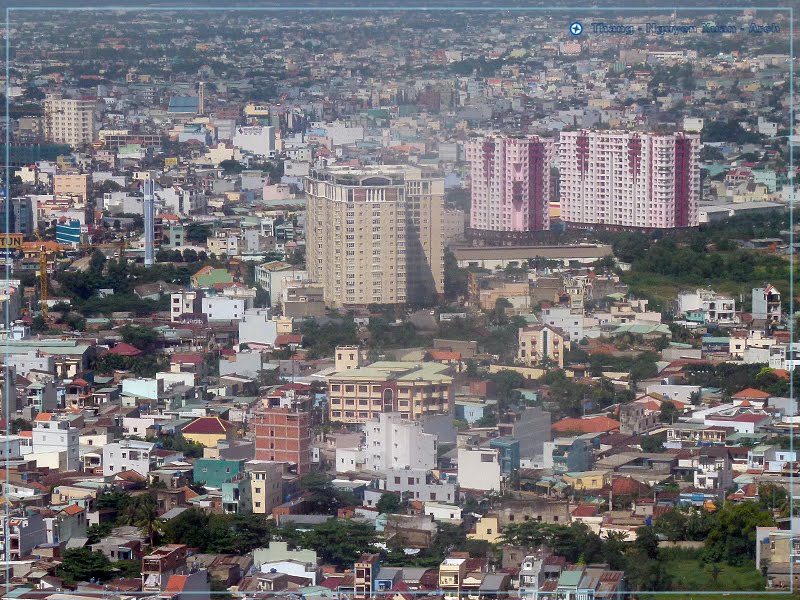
(729, 536)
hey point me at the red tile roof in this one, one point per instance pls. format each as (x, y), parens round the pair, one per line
(628, 486)
(176, 583)
(186, 358)
(444, 355)
(584, 510)
(752, 394)
(73, 509)
(130, 475)
(123, 349)
(288, 338)
(588, 425)
(209, 425)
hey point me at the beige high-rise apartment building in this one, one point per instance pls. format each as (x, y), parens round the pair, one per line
(375, 235)
(69, 120)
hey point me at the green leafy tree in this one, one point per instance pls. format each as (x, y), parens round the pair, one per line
(81, 564)
(39, 325)
(18, 425)
(733, 537)
(189, 448)
(191, 527)
(144, 338)
(341, 542)
(652, 443)
(668, 412)
(97, 532)
(389, 503)
(322, 497)
(231, 167)
(472, 368)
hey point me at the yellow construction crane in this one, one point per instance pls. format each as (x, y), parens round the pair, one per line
(45, 254)
(43, 291)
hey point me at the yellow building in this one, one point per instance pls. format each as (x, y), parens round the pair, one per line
(69, 120)
(487, 529)
(452, 572)
(409, 388)
(208, 431)
(587, 480)
(266, 485)
(518, 294)
(541, 343)
(72, 184)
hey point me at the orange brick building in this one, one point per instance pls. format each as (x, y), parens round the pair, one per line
(282, 427)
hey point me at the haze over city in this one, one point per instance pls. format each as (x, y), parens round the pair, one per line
(343, 303)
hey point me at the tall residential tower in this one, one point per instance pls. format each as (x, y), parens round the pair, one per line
(68, 120)
(629, 179)
(375, 235)
(510, 182)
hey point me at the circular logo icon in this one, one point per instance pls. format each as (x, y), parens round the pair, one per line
(576, 28)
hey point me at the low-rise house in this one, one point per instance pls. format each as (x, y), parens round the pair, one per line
(208, 431)
(128, 455)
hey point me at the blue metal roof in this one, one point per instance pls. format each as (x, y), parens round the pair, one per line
(183, 104)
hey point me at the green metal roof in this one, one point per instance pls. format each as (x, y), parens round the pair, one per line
(642, 329)
(716, 340)
(397, 370)
(570, 578)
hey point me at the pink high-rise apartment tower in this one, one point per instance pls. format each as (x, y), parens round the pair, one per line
(510, 180)
(629, 179)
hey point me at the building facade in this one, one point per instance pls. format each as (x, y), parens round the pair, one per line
(69, 121)
(128, 455)
(375, 235)
(394, 442)
(510, 182)
(767, 304)
(57, 437)
(629, 179)
(282, 428)
(541, 344)
(411, 389)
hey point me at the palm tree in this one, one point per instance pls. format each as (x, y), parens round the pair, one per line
(143, 513)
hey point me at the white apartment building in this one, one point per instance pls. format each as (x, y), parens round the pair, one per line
(629, 179)
(10, 447)
(568, 320)
(128, 455)
(715, 308)
(21, 534)
(69, 121)
(257, 140)
(221, 308)
(273, 277)
(767, 304)
(185, 302)
(56, 442)
(510, 182)
(257, 326)
(419, 484)
(396, 443)
(182, 202)
(479, 469)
